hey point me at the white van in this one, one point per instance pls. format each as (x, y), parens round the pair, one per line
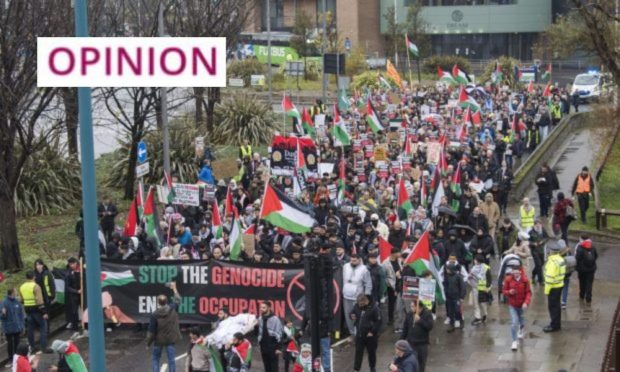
(589, 86)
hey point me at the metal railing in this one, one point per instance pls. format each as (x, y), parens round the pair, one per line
(611, 361)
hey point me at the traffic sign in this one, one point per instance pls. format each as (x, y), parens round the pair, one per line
(141, 152)
(142, 169)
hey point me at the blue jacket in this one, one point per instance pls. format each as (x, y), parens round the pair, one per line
(13, 320)
(206, 175)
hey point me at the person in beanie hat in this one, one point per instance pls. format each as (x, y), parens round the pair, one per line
(405, 360)
(70, 358)
(303, 363)
(586, 257)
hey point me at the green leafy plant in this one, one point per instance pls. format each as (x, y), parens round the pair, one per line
(355, 63)
(240, 117)
(369, 79)
(245, 69)
(50, 183)
(507, 66)
(183, 162)
(446, 63)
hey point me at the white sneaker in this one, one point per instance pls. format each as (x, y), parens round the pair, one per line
(521, 333)
(457, 324)
(69, 325)
(515, 345)
(434, 317)
(447, 321)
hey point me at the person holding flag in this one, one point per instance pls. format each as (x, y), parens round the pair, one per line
(240, 354)
(303, 362)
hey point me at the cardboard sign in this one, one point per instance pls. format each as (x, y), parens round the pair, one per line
(427, 289)
(380, 153)
(411, 288)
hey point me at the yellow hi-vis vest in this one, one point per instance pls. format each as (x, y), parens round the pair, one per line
(428, 304)
(246, 151)
(555, 270)
(26, 291)
(527, 217)
(482, 282)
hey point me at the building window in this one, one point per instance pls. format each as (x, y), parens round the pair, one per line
(276, 16)
(460, 2)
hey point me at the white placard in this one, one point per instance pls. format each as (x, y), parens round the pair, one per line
(186, 194)
(325, 168)
(427, 289)
(142, 169)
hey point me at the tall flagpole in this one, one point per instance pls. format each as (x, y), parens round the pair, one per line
(409, 62)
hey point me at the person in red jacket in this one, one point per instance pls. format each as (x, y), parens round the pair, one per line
(516, 289)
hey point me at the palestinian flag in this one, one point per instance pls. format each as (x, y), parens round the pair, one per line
(341, 178)
(60, 290)
(384, 83)
(250, 230)
(214, 361)
(467, 116)
(476, 118)
(216, 221)
(411, 47)
(131, 224)
(497, 75)
(407, 149)
(466, 101)
(244, 352)
(455, 185)
(343, 100)
(547, 91)
(445, 77)
(299, 180)
(151, 222)
(372, 118)
(229, 207)
(421, 259)
(385, 250)
(339, 130)
(393, 73)
(547, 74)
(290, 110)
(439, 193)
(403, 197)
(116, 279)
(171, 193)
(307, 124)
(73, 359)
(282, 212)
(235, 240)
(462, 135)
(300, 365)
(459, 75)
(530, 86)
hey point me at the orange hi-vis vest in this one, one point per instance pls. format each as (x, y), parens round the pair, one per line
(583, 185)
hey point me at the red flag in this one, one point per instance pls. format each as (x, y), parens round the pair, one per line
(530, 86)
(547, 91)
(132, 219)
(456, 177)
(385, 249)
(467, 116)
(421, 250)
(229, 208)
(407, 147)
(462, 136)
(476, 118)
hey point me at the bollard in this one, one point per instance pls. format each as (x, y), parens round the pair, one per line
(603, 219)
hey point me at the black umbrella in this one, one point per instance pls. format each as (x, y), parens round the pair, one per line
(446, 210)
(466, 227)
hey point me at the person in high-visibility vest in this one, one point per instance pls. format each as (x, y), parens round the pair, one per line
(554, 271)
(583, 186)
(527, 214)
(245, 150)
(36, 313)
(480, 279)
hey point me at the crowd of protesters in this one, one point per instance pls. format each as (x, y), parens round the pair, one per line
(468, 226)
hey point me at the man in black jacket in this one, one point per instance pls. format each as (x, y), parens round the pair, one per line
(367, 318)
(418, 325)
(547, 181)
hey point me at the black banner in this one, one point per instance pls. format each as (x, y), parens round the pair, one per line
(284, 155)
(130, 289)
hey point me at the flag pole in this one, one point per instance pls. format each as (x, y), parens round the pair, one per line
(419, 74)
(409, 67)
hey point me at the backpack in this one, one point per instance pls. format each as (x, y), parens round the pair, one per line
(588, 261)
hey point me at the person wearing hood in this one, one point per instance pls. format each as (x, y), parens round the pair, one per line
(477, 220)
(454, 288)
(506, 236)
(379, 226)
(367, 321)
(522, 248)
(69, 357)
(586, 257)
(561, 218)
(206, 173)
(405, 360)
(516, 288)
(163, 329)
(12, 317)
(73, 292)
(538, 239)
(45, 280)
(418, 325)
(482, 244)
(455, 247)
(303, 362)
(490, 209)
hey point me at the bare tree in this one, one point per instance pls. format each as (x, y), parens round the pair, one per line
(22, 106)
(197, 18)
